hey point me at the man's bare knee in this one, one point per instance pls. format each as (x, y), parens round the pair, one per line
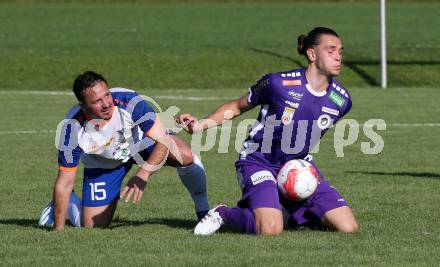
(348, 228)
(185, 154)
(269, 221)
(272, 227)
(341, 219)
(96, 221)
(99, 217)
(187, 157)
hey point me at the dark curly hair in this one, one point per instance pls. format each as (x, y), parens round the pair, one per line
(86, 80)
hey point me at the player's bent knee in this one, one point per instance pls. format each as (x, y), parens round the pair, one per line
(185, 153)
(99, 217)
(348, 228)
(187, 157)
(270, 226)
(88, 224)
(271, 229)
(269, 221)
(97, 221)
(341, 219)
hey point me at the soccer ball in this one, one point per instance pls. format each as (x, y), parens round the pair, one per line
(297, 179)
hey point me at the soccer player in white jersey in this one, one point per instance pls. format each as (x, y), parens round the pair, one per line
(110, 130)
(297, 107)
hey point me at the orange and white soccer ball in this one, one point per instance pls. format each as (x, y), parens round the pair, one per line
(297, 179)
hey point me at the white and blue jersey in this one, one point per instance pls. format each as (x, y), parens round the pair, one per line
(106, 148)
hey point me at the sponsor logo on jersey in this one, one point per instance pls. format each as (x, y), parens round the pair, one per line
(337, 99)
(125, 152)
(330, 111)
(324, 121)
(291, 82)
(291, 104)
(287, 116)
(262, 176)
(296, 95)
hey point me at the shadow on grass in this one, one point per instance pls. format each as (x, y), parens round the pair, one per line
(174, 223)
(277, 55)
(354, 65)
(411, 174)
(171, 222)
(24, 223)
(116, 223)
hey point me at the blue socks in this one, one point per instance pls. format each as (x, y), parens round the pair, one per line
(194, 179)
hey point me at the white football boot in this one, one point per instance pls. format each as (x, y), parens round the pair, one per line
(210, 223)
(73, 212)
(46, 217)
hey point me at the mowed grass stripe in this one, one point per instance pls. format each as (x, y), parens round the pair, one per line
(208, 45)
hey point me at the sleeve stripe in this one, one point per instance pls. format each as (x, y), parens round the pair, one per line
(250, 95)
(155, 125)
(68, 169)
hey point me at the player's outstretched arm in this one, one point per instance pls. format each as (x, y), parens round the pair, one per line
(136, 185)
(227, 111)
(61, 195)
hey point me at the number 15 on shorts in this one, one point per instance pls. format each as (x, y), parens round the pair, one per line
(97, 191)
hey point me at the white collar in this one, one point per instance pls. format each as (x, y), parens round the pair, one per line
(314, 92)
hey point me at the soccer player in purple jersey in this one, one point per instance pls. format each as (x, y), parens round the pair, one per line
(110, 130)
(297, 107)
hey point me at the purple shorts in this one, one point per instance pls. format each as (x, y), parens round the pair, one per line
(259, 190)
(258, 185)
(311, 211)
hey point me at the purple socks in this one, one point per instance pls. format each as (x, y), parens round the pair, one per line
(241, 219)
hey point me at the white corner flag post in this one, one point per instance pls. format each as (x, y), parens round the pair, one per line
(383, 43)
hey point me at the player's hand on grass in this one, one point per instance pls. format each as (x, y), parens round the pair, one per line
(189, 123)
(134, 188)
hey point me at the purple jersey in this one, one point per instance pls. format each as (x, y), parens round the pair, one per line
(293, 117)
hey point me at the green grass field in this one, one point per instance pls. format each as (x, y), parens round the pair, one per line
(195, 56)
